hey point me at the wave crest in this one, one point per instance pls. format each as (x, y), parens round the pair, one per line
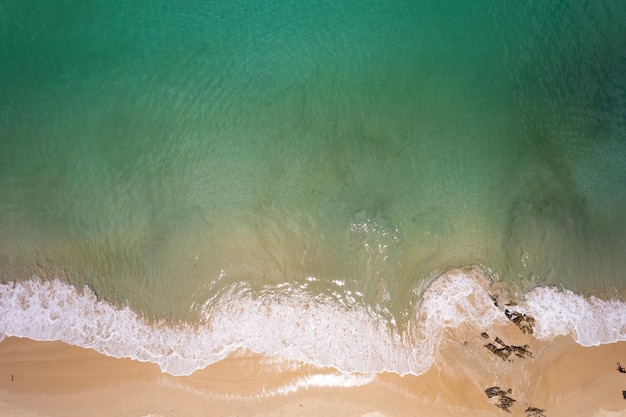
(296, 325)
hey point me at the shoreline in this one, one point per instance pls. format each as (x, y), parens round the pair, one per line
(562, 379)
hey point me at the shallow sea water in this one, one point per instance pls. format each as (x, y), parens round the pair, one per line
(214, 161)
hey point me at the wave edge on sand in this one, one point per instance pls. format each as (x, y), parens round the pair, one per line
(295, 325)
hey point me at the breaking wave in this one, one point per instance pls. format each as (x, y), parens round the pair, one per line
(296, 325)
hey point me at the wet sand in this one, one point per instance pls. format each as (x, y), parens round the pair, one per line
(561, 378)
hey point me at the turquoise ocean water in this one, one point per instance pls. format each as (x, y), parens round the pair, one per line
(227, 164)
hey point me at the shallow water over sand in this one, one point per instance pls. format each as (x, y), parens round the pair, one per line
(237, 167)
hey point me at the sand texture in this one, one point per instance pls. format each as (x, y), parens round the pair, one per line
(557, 379)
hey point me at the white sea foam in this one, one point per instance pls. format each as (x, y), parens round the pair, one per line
(293, 324)
(590, 321)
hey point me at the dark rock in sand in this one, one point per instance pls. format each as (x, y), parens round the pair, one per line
(522, 351)
(524, 322)
(495, 300)
(506, 350)
(621, 368)
(535, 412)
(504, 401)
(484, 335)
(495, 392)
(503, 353)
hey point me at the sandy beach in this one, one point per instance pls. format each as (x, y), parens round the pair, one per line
(557, 379)
(231, 208)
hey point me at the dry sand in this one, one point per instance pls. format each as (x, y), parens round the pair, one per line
(562, 378)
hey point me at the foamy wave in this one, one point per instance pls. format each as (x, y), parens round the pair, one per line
(54, 310)
(295, 325)
(314, 330)
(590, 321)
